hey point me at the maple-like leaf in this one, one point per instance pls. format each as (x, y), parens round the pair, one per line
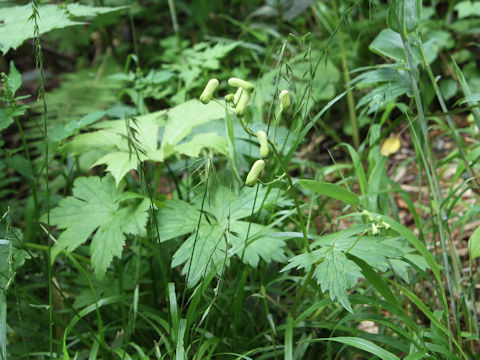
(335, 272)
(17, 27)
(122, 150)
(97, 208)
(203, 252)
(209, 247)
(262, 242)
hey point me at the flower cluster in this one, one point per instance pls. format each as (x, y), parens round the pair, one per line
(239, 102)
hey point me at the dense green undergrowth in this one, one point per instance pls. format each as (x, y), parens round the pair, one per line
(316, 200)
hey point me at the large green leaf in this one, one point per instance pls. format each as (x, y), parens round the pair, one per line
(336, 273)
(63, 131)
(203, 252)
(95, 208)
(177, 218)
(262, 242)
(228, 204)
(193, 147)
(467, 9)
(12, 81)
(121, 150)
(224, 235)
(6, 118)
(183, 118)
(404, 15)
(388, 43)
(17, 27)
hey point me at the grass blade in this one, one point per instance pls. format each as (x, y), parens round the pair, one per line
(331, 190)
(364, 345)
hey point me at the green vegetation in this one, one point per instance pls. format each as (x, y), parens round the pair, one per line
(270, 179)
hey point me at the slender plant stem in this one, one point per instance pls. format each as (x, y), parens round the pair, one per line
(473, 299)
(41, 95)
(294, 195)
(290, 183)
(176, 28)
(432, 175)
(299, 215)
(27, 154)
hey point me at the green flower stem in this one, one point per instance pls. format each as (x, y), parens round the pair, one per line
(294, 195)
(41, 95)
(299, 295)
(290, 183)
(299, 213)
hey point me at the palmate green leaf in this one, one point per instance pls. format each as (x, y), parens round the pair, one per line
(183, 118)
(63, 131)
(193, 147)
(223, 236)
(95, 208)
(213, 245)
(205, 56)
(335, 272)
(16, 26)
(203, 252)
(177, 218)
(228, 204)
(262, 242)
(14, 79)
(117, 148)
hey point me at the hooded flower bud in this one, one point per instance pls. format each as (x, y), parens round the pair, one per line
(263, 141)
(207, 93)
(285, 101)
(367, 214)
(242, 103)
(229, 98)
(255, 171)
(235, 82)
(237, 95)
